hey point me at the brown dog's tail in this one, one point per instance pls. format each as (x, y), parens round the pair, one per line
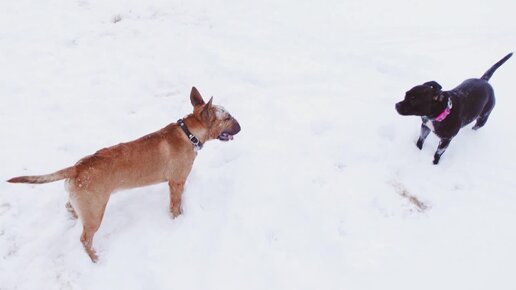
(58, 175)
(487, 75)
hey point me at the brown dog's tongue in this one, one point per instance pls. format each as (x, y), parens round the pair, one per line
(225, 137)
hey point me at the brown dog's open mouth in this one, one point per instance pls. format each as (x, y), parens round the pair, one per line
(225, 136)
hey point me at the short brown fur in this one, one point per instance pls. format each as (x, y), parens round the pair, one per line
(166, 155)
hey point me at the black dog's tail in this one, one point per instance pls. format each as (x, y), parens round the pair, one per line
(487, 75)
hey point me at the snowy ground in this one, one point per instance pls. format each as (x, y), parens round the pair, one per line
(309, 194)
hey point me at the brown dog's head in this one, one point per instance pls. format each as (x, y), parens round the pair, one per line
(220, 124)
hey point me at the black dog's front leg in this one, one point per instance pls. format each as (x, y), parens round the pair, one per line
(424, 133)
(440, 149)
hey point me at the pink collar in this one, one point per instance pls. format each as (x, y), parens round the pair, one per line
(446, 111)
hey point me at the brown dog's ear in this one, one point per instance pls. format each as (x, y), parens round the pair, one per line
(207, 112)
(196, 98)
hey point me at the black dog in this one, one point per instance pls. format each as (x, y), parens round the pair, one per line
(447, 112)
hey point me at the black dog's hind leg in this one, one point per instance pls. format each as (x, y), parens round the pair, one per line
(424, 133)
(484, 115)
(481, 121)
(440, 149)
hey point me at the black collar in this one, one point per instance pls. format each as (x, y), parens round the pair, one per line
(194, 140)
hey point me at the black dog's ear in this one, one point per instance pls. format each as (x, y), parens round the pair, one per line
(434, 85)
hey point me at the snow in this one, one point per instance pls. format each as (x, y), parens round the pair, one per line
(313, 193)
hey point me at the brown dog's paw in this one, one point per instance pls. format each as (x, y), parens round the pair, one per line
(175, 212)
(94, 258)
(93, 255)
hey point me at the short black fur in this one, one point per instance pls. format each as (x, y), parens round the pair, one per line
(472, 100)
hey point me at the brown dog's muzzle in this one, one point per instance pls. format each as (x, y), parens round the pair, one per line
(228, 134)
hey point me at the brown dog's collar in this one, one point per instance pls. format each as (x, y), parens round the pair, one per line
(194, 140)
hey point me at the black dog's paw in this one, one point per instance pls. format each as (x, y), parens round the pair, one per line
(436, 158)
(419, 144)
(476, 127)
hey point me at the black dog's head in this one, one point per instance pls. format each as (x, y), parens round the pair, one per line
(421, 100)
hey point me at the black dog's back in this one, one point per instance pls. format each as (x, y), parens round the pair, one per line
(474, 97)
(478, 95)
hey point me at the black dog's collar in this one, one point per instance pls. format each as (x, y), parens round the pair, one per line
(194, 140)
(446, 111)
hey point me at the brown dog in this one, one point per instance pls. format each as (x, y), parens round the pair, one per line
(165, 155)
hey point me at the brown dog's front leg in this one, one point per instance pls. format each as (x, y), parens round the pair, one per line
(176, 192)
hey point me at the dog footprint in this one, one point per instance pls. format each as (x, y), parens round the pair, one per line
(13, 248)
(4, 207)
(340, 165)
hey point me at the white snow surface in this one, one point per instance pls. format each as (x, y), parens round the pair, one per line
(309, 194)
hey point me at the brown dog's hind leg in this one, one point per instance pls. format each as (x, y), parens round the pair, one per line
(71, 210)
(91, 211)
(176, 191)
(88, 232)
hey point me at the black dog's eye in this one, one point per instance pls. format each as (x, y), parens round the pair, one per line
(412, 98)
